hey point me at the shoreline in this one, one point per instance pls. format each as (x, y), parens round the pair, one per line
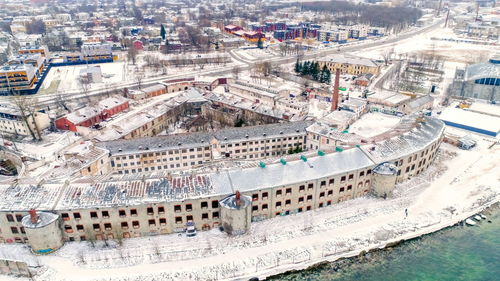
(279, 270)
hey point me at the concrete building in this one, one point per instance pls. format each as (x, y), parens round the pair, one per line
(147, 122)
(236, 213)
(36, 60)
(384, 179)
(186, 151)
(17, 77)
(93, 52)
(12, 122)
(478, 81)
(43, 231)
(91, 74)
(42, 50)
(132, 206)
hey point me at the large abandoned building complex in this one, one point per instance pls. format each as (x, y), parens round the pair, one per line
(115, 206)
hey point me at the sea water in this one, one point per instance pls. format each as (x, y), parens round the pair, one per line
(457, 253)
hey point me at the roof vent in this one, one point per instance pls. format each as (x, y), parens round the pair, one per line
(179, 144)
(140, 147)
(246, 136)
(264, 134)
(225, 138)
(159, 145)
(297, 130)
(281, 132)
(119, 149)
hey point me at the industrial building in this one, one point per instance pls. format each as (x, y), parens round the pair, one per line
(478, 81)
(471, 121)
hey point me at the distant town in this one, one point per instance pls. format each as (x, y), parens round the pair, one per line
(237, 140)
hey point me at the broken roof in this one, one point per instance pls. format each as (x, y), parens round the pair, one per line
(200, 139)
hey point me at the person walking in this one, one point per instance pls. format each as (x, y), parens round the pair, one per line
(406, 213)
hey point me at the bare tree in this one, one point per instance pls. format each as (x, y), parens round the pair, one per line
(264, 68)
(28, 113)
(138, 78)
(132, 54)
(61, 101)
(387, 54)
(84, 87)
(236, 72)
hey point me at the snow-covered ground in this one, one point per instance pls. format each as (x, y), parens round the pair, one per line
(457, 185)
(252, 54)
(50, 146)
(372, 124)
(461, 52)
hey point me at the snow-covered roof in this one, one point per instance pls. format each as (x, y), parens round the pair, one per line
(83, 114)
(28, 194)
(230, 202)
(116, 190)
(293, 172)
(419, 137)
(112, 102)
(106, 192)
(386, 168)
(482, 70)
(199, 139)
(43, 219)
(471, 119)
(343, 59)
(420, 101)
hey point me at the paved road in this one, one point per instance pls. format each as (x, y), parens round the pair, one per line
(51, 99)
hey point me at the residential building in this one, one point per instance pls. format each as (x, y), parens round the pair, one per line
(350, 64)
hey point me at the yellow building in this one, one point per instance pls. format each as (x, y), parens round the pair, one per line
(35, 50)
(350, 65)
(17, 77)
(37, 60)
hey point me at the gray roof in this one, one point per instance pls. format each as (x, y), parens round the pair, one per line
(293, 172)
(420, 101)
(343, 59)
(482, 70)
(162, 143)
(389, 150)
(116, 190)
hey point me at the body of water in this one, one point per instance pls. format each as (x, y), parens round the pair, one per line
(452, 254)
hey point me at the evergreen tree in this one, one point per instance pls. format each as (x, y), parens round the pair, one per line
(163, 33)
(327, 75)
(305, 68)
(315, 73)
(297, 66)
(260, 44)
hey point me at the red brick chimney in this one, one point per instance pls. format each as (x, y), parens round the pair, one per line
(335, 97)
(238, 198)
(33, 216)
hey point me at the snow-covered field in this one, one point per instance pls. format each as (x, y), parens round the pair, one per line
(253, 54)
(372, 124)
(461, 52)
(457, 185)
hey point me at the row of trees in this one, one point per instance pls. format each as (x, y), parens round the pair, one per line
(346, 13)
(312, 69)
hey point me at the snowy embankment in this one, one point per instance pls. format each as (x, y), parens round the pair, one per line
(459, 184)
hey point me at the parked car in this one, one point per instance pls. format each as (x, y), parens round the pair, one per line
(190, 229)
